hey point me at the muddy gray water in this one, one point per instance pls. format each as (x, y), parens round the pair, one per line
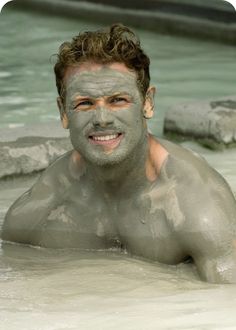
(68, 289)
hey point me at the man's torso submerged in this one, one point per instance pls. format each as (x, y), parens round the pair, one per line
(147, 223)
(64, 208)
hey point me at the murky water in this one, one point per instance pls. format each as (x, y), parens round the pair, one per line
(67, 289)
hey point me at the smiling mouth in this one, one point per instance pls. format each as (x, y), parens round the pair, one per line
(106, 139)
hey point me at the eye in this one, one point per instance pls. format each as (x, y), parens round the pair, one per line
(83, 105)
(118, 100)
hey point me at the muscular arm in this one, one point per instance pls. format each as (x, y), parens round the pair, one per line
(209, 235)
(217, 269)
(202, 212)
(26, 216)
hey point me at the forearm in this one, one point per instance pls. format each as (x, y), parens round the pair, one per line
(218, 270)
(23, 218)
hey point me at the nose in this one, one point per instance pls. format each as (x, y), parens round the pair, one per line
(102, 117)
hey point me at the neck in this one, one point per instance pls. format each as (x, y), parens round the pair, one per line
(124, 177)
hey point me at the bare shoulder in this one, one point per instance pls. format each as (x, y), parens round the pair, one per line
(188, 166)
(202, 196)
(62, 173)
(175, 160)
(60, 167)
(31, 209)
(202, 210)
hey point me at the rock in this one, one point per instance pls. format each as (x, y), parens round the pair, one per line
(21, 154)
(212, 123)
(28, 155)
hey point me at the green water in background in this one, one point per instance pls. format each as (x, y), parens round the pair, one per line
(181, 69)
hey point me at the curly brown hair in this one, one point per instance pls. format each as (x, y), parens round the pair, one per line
(115, 44)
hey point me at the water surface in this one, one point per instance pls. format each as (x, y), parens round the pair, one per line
(181, 68)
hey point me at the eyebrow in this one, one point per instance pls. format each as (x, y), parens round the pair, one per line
(120, 93)
(85, 97)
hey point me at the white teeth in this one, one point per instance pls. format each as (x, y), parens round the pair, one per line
(105, 137)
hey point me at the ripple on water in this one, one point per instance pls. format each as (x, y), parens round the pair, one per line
(16, 100)
(16, 125)
(5, 74)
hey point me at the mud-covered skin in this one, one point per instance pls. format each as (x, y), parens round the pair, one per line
(188, 210)
(151, 197)
(83, 120)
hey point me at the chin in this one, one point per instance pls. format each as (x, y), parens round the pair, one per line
(98, 156)
(106, 160)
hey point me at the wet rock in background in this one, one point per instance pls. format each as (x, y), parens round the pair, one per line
(30, 154)
(212, 123)
(33, 148)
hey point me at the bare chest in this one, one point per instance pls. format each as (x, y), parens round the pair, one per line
(141, 224)
(80, 220)
(147, 230)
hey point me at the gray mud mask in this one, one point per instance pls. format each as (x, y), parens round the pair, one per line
(104, 102)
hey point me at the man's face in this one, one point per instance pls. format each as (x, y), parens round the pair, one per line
(104, 109)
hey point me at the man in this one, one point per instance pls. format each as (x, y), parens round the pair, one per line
(121, 186)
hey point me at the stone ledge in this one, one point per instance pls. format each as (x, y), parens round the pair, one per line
(30, 154)
(29, 149)
(212, 123)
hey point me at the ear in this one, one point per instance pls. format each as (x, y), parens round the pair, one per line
(63, 115)
(148, 109)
